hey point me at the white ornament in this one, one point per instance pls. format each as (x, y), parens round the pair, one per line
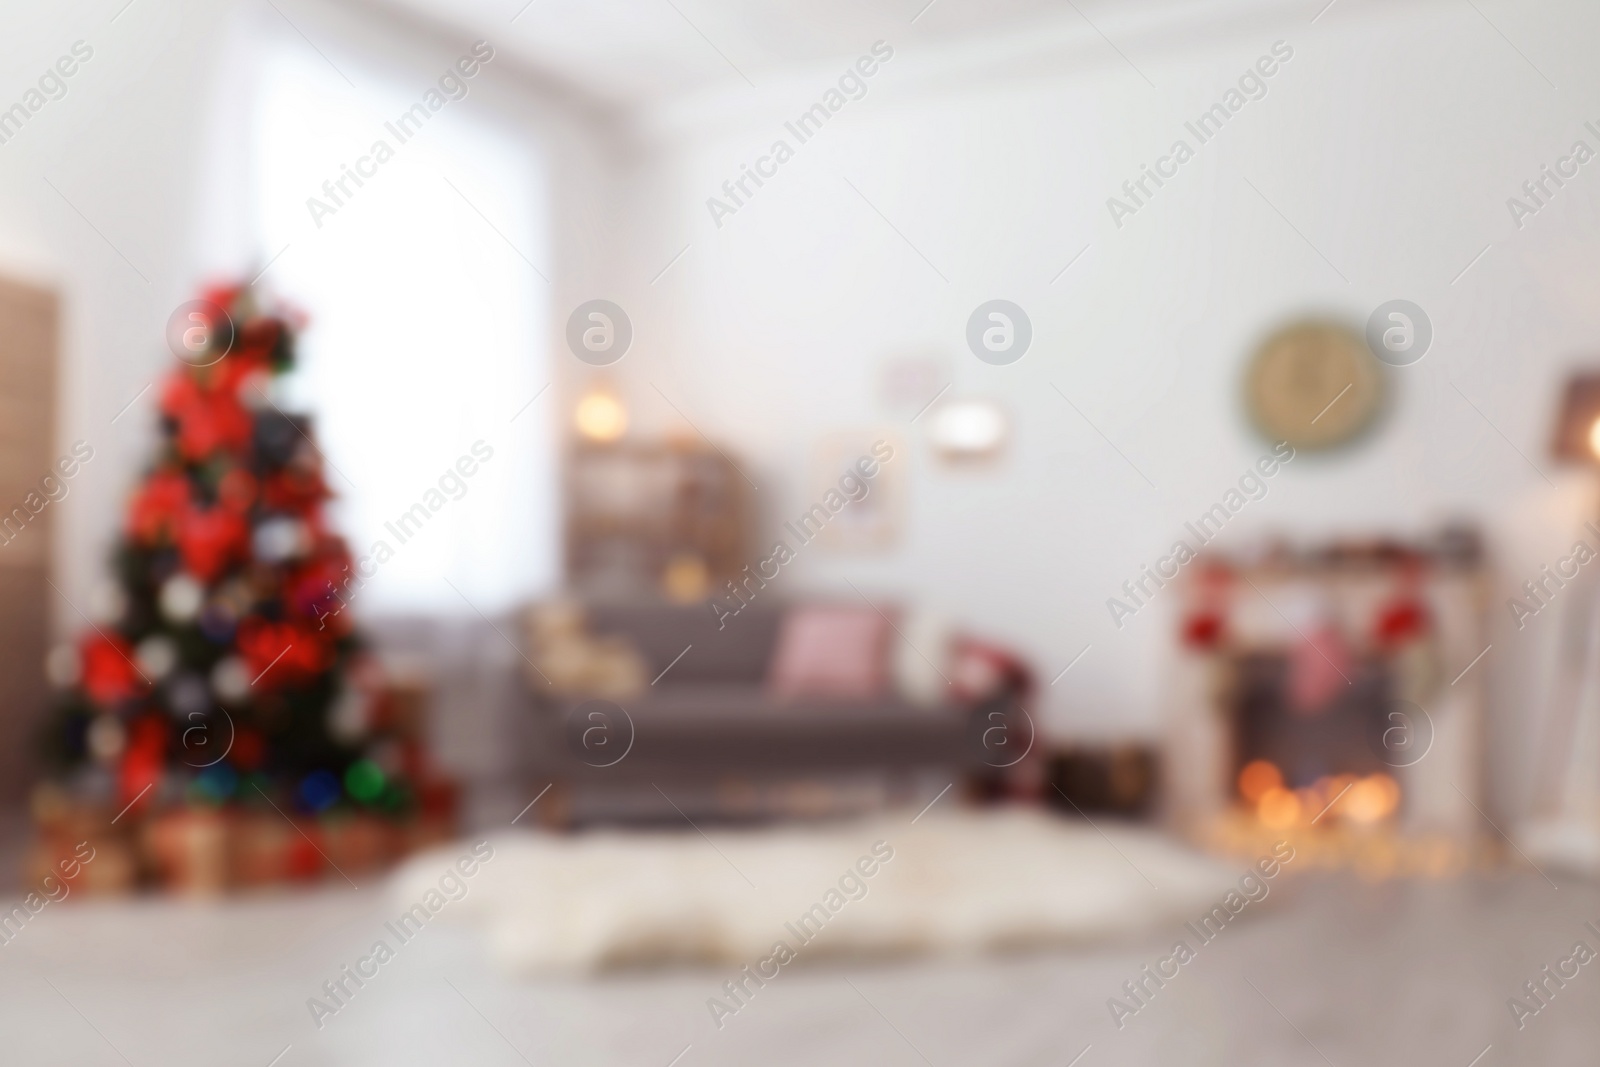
(348, 718)
(230, 679)
(181, 597)
(279, 539)
(156, 655)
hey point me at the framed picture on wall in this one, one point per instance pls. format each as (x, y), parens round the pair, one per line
(858, 478)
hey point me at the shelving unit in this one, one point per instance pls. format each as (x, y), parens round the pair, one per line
(633, 509)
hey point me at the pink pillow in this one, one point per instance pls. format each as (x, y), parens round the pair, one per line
(836, 651)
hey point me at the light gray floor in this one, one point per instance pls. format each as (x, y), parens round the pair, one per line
(1344, 973)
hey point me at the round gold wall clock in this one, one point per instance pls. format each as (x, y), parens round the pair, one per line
(1314, 385)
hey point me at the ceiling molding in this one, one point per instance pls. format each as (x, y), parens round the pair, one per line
(929, 58)
(1061, 46)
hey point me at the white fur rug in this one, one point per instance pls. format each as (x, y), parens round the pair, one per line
(953, 883)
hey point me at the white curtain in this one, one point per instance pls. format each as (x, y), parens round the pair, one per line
(427, 326)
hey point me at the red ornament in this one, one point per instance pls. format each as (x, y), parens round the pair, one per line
(257, 341)
(294, 491)
(204, 404)
(242, 373)
(1400, 621)
(180, 394)
(221, 296)
(157, 507)
(281, 654)
(217, 423)
(248, 750)
(144, 759)
(1205, 625)
(1405, 616)
(1202, 630)
(237, 490)
(109, 675)
(211, 539)
(318, 586)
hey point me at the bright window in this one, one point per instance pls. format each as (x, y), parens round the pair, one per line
(426, 329)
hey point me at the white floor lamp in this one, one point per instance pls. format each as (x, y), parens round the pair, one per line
(1565, 830)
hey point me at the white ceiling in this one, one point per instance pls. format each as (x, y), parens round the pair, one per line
(632, 53)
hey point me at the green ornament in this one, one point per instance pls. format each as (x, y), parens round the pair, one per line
(364, 780)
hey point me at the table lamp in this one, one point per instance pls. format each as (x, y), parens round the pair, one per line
(1577, 437)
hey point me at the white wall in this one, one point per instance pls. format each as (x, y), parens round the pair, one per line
(1391, 140)
(121, 147)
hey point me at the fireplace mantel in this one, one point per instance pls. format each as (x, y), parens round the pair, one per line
(1273, 603)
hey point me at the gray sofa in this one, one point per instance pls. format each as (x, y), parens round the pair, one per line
(708, 740)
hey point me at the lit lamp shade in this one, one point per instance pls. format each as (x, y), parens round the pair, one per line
(600, 417)
(968, 430)
(1577, 437)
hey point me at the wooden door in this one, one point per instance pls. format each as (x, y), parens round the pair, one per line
(28, 344)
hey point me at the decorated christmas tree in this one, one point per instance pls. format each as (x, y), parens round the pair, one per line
(220, 672)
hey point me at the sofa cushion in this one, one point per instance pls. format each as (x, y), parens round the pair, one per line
(837, 651)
